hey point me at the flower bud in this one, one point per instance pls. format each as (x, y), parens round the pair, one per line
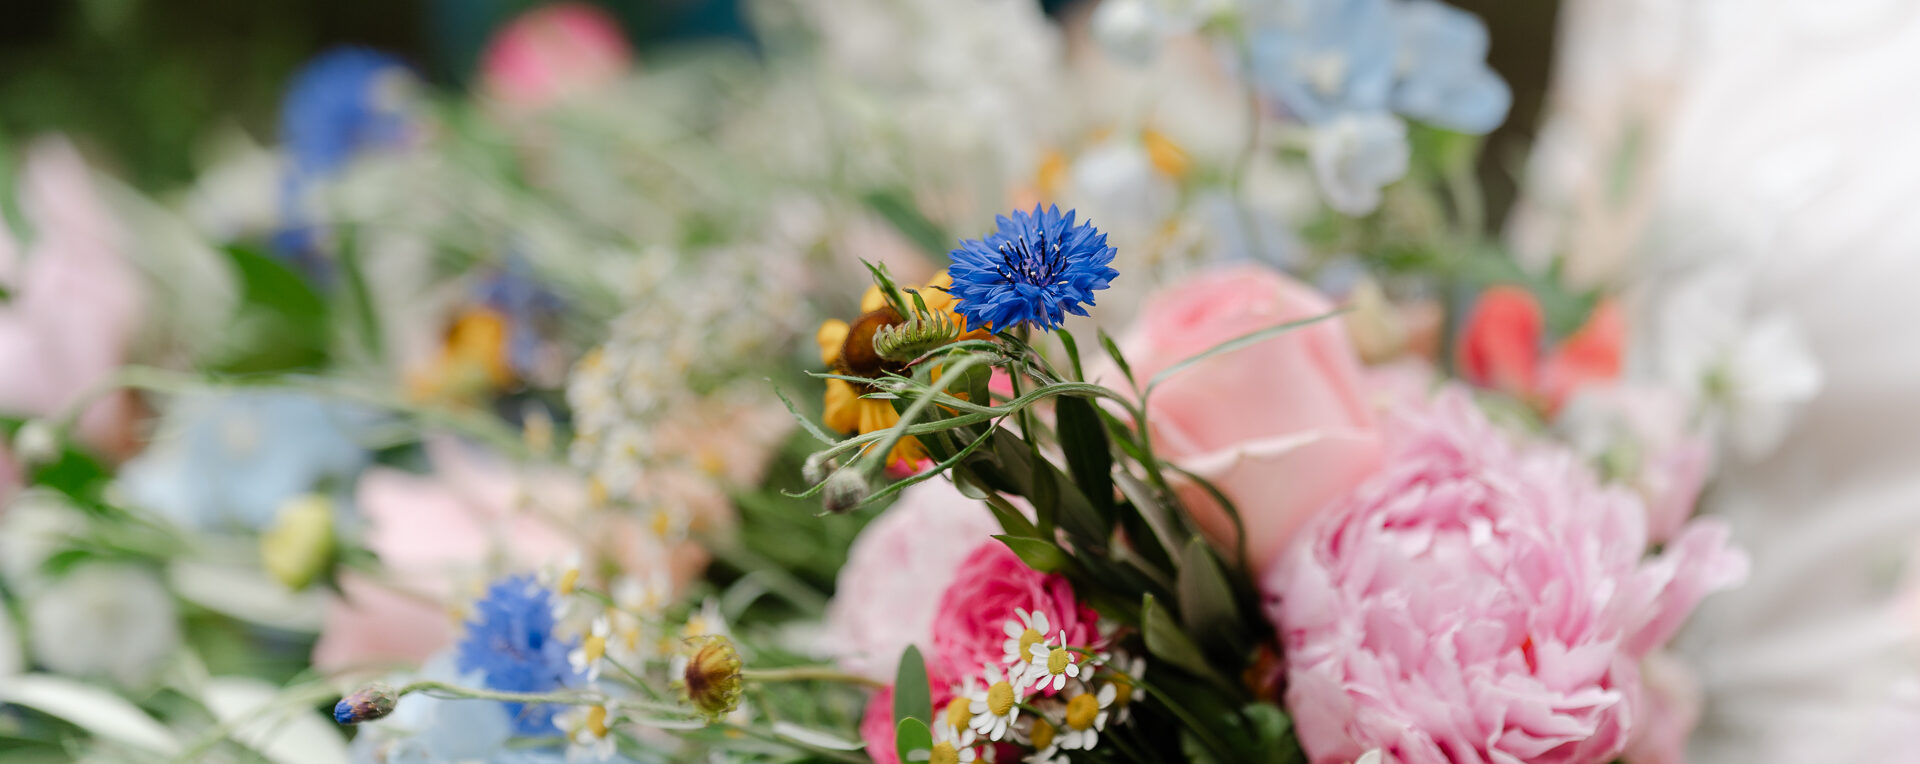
(36, 442)
(712, 678)
(299, 546)
(816, 467)
(366, 704)
(845, 490)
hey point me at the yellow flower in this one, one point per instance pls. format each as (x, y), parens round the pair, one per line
(299, 547)
(847, 348)
(473, 359)
(711, 677)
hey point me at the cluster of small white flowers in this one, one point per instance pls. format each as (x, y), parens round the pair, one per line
(1043, 695)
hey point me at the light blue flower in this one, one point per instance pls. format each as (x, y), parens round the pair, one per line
(1323, 58)
(1356, 156)
(1443, 78)
(233, 459)
(424, 729)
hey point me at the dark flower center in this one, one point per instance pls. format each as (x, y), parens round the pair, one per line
(857, 356)
(1036, 264)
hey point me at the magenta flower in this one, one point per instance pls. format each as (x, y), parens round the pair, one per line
(1481, 601)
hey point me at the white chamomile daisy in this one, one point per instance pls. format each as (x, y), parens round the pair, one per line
(564, 580)
(1022, 633)
(1086, 717)
(994, 708)
(1051, 665)
(949, 747)
(1044, 736)
(954, 720)
(588, 737)
(586, 658)
(1124, 676)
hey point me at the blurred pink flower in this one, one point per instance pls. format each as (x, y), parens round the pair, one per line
(442, 537)
(1499, 345)
(876, 722)
(1646, 432)
(1671, 698)
(887, 593)
(74, 302)
(986, 590)
(553, 53)
(1481, 601)
(1281, 427)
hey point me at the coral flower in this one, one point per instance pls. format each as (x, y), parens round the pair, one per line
(848, 349)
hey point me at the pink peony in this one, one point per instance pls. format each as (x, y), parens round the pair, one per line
(1282, 427)
(887, 593)
(1481, 601)
(987, 589)
(553, 53)
(74, 301)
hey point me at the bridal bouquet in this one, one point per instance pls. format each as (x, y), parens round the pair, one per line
(1171, 402)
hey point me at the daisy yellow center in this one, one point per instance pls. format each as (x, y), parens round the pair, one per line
(1123, 689)
(957, 713)
(943, 753)
(1081, 711)
(593, 647)
(568, 580)
(631, 637)
(662, 524)
(1000, 698)
(1058, 660)
(597, 721)
(1042, 734)
(1028, 639)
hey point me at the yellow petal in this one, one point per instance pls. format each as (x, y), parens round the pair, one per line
(1166, 156)
(832, 334)
(872, 300)
(842, 406)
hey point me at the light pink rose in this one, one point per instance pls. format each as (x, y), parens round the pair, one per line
(988, 589)
(1281, 427)
(553, 53)
(75, 301)
(1481, 601)
(887, 593)
(442, 537)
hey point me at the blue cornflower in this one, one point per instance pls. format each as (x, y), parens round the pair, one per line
(1035, 269)
(516, 292)
(1443, 75)
(343, 102)
(510, 641)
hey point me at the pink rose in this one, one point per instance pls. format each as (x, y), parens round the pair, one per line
(1500, 341)
(442, 537)
(1480, 600)
(876, 722)
(888, 592)
(74, 301)
(987, 589)
(553, 53)
(1282, 427)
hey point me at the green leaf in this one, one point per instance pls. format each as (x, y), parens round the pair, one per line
(911, 698)
(1038, 554)
(1120, 360)
(1231, 345)
(1166, 641)
(806, 423)
(897, 207)
(1083, 438)
(1271, 732)
(282, 323)
(911, 735)
(1011, 519)
(1165, 531)
(1207, 605)
(1073, 353)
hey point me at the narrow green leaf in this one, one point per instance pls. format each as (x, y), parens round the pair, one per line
(1152, 511)
(897, 207)
(1011, 519)
(1231, 345)
(1120, 360)
(1084, 441)
(1168, 642)
(1207, 605)
(1038, 554)
(909, 736)
(806, 423)
(911, 697)
(1073, 353)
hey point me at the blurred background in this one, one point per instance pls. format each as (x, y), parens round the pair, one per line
(142, 84)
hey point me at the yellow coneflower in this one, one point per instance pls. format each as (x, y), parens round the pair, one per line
(473, 359)
(847, 348)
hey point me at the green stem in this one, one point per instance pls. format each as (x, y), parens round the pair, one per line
(808, 674)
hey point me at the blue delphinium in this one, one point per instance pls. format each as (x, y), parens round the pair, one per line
(1443, 75)
(1324, 58)
(343, 102)
(234, 459)
(511, 644)
(1035, 269)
